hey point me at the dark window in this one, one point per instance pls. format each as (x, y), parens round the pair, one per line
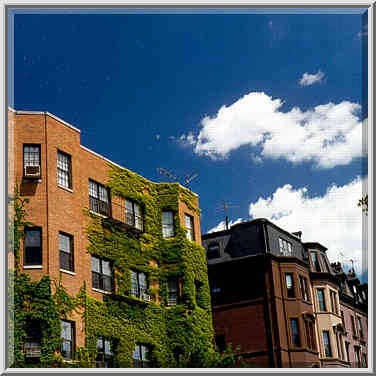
(343, 320)
(339, 345)
(66, 251)
(64, 169)
(315, 262)
(347, 347)
(321, 298)
(295, 332)
(33, 246)
(326, 343)
(304, 288)
(353, 326)
(220, 341)
(290, 285)
(310, 334)
(285, 247)
(31, 159)
(168, 224)
(141, 356)
(105, 354)
(139, 285)
(101, 274)
(357, 356)
(189, 226)
(133, 215)
(32, 344)
(213, 251)
(360, 329)
(67, 335)
(173, 291)
(99, 198)
(333, 301)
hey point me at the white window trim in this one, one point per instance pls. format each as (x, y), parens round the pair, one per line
(101, 291)
(67, 271)
(65, 188)
(33, 266)
(98, 214)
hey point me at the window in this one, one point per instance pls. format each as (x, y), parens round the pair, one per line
(360, 329)
(220, 341)
(168, 224)
(67, 334)
(105, 355)
(343, 320)
(304, 288)
(173, 291)
(213, 251)
(101, 274)
(353, 326)
(133, 215)
(32, 344)
(285, 247)
(33, 246)
(289, 285)
(295, 332)
(310, 334)
(31, 159)
(64, 170)
(139, 285)
(326, 343)
(364, 360)
(141, 356)
(66, 251)
(347, 348)
(99, 198)
(339, 345)
(357, 356)
(325, 262)
(333, 301)
(189, 227)
(321, 298)
(315, 262)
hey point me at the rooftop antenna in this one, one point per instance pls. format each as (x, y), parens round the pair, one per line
(186, 180)
(352, 265)
(341, 254)
(225, 206)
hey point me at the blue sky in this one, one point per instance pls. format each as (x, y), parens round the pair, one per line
(267, 108)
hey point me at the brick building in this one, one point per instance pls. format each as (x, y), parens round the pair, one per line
(280, 300)
(127, 241)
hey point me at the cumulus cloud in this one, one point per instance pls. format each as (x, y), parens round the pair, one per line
(328, 135)
(222, 225)
(333, 219)
(310, 79)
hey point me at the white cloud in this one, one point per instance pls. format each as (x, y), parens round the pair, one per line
(333, 220)
(221, 225)
(310, 79)
(328, 135)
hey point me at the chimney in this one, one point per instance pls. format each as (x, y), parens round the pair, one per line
(298, 234)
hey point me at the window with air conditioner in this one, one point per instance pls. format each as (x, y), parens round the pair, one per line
(32, 161)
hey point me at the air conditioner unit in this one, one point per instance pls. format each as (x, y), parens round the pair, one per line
(32, 171)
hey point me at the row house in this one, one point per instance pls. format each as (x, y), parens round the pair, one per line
(281, 301)
(149, 235)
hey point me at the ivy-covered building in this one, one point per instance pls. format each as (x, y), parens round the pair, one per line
(108, 266)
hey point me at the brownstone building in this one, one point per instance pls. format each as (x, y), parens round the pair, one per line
(67, 185)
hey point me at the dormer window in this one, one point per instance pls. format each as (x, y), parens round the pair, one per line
(285, 247)
(213, 251)
(315, 262)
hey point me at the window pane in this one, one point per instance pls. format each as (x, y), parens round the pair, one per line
(64, 243)
(136, 353)
(142, 281)
(95, 267)
(295, 332)
(289, 281)
(167, 217)
(134, 279)
(31, 155)
(65, 261)
(100, 344)
(103, 193)
(106, 268)
(107, 285)
(96, 280)
(93, 189)
(66, 330)
(289, 248)
(187, 221)
(144, 353)
(128, 206)
(167, 224)
(32, 238)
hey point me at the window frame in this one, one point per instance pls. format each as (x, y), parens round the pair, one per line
(168, 230)
(72, 341)
(327, 346)
(172, 294)
(285, 247)
(33, 337)
(353, 326)
(62, 171)
(296, 340)
(333, 301)
(107, 359)
(316, 266)
(359, 327)
(30, 248)
(321, 290)
(141, 291)
(309, 326)
(101, 275)
(32, 165)
(304, 288)
(290, 291)
(218, 249)
(190, 235)
(96, 204)
(70, 255)
(131, 218)
(142, 363)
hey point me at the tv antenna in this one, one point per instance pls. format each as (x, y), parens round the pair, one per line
(225, 206)
(341, 254)
(186, 180)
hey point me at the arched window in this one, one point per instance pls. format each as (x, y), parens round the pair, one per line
(213, 251)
